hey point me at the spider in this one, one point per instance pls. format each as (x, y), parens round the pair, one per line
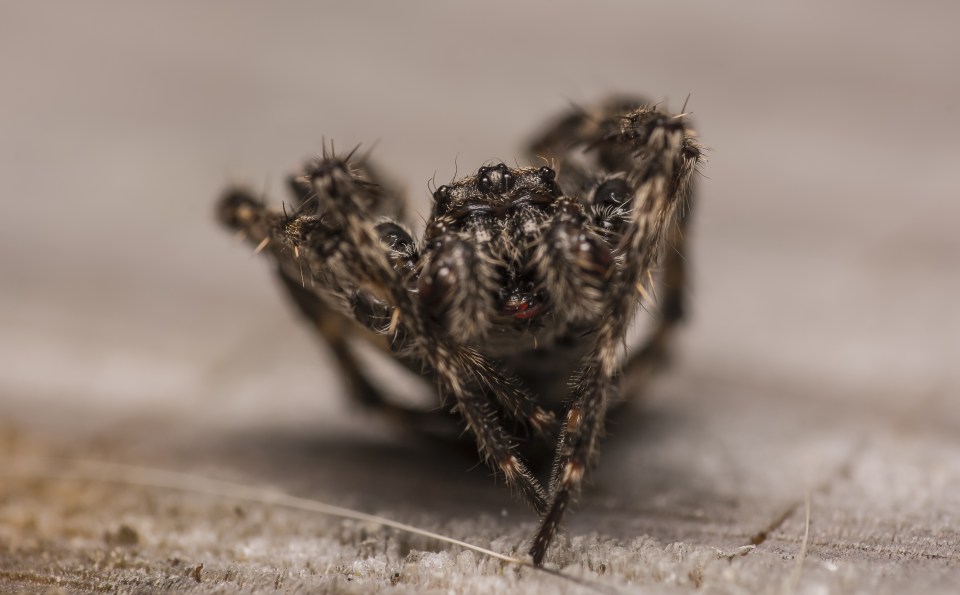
(518, 297)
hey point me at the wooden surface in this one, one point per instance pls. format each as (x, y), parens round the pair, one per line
(819, 373)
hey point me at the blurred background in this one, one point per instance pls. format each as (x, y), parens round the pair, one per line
(824, 332)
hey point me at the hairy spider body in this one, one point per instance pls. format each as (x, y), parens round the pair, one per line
(518, 297)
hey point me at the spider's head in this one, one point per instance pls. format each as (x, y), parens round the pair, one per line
(497, 190)
(481, 246)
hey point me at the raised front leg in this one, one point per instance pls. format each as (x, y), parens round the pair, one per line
(670, 310)
(563, 143)
(662, 154)
(264, 228)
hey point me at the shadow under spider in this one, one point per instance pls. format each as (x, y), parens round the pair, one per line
(393, 470)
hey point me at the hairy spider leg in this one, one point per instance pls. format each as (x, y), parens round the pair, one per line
(242, 210)
(663, 156)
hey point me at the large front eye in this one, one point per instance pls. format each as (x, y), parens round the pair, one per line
(498, 178)
(484, 183)
(394, 236)
(613, 192)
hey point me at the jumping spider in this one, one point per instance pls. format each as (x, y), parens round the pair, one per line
(518, 297)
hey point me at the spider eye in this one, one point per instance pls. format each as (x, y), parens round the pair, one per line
(495, 179)
(441, 200)
(506, 180)
(394, 236)
(484, 184)
(547, 174)
(613, 192)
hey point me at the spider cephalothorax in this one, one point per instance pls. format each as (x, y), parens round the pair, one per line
(518, 297)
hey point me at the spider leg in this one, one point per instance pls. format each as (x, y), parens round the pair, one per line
(335, 329)
(568, 142)
(671, 310)
(381, 198)
(587, 136)
(241, 210)
(496, 446)
(573, 262)
(663, 155)
(456, 288)
(564, 141)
